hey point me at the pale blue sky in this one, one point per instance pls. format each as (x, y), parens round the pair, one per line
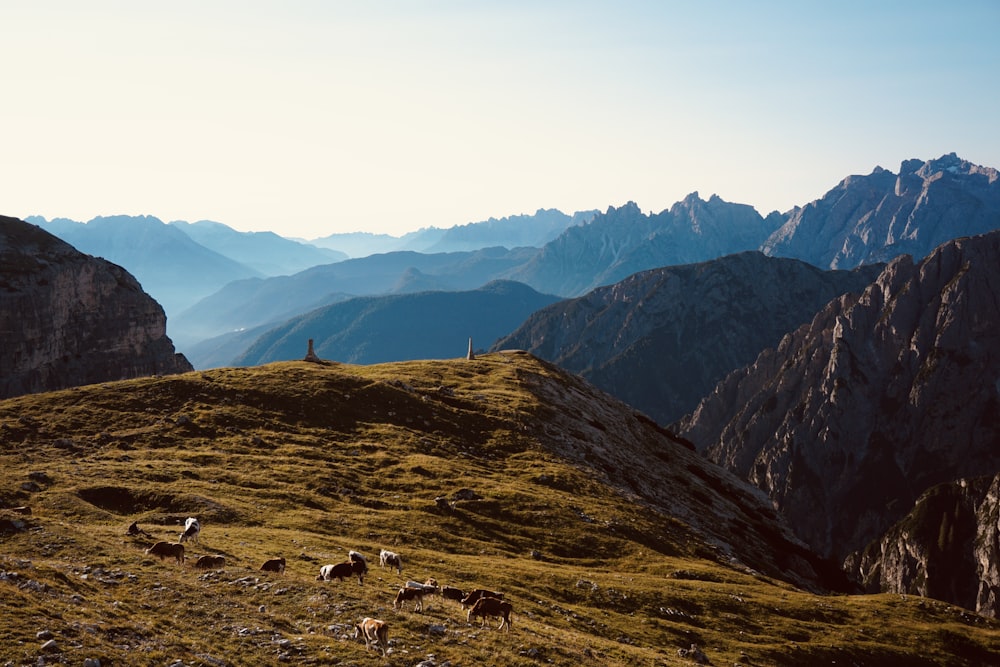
(310, 117)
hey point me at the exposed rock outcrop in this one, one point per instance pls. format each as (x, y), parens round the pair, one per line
(68, 319)
(660, 340)
(880, 397)
(873, 218)
(947, 547)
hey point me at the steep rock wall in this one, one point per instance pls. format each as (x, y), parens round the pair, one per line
(947, 547)
(68, 319)
(880, 397)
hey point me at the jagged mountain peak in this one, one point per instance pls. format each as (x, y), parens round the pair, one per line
(852, 416)
(873, 218)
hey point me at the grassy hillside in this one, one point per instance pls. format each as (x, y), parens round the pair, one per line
(604, 564)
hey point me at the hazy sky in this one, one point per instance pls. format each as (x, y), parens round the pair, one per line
(312, 117)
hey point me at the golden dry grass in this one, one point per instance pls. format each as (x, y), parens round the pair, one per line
(308, 461)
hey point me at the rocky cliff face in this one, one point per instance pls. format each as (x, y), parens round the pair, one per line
(68, 319)
(947, 547)
(873, 218)
(880, 397)
(661, 339)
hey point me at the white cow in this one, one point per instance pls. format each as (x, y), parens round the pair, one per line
(191, 530)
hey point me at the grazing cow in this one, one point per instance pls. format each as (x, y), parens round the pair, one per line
(210, 562)
(274, 565)
(475, 595)
(361, 561)
(452, 593)
(486, 606)
(429, 586)
(374, 632)
(167, 550)
(191, 530)
(341, 570)
(390, 559)
(410, 593)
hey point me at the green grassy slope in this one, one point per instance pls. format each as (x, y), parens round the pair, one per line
(605, 564)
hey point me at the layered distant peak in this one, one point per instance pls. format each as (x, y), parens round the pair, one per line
(624, 241)
(873, 218)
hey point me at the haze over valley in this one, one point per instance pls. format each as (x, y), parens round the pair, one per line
(808, 399)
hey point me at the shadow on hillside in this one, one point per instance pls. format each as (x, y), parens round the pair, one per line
(162, 508)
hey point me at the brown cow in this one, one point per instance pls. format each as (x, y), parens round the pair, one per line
(210, 562)
(374, 632)
(486, 606)
(474, 596)
(274, 565)
(167, 550)
(409, 593)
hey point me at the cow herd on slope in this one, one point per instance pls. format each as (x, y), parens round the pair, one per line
(481, 603)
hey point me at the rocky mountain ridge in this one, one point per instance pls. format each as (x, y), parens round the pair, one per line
(880, 397)
(698, 321)
(873, 218)
(624, 240)
(68, 319)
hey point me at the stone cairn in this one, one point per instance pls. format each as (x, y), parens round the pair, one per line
(311, 355)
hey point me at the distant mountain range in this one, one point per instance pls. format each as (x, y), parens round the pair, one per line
(250, 303)
(210, 278)
(510, 232)
(265, 252)
(862, 400)
(170, 265)
(623, 241)
(400, 327)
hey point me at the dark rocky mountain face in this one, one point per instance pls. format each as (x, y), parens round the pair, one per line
(947, 547)
(68, 319)
(399, 327)
(873, 218)
(880, 397)
(623, 241)
(660, 340)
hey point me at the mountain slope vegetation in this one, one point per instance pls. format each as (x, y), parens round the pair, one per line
(615, 543)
